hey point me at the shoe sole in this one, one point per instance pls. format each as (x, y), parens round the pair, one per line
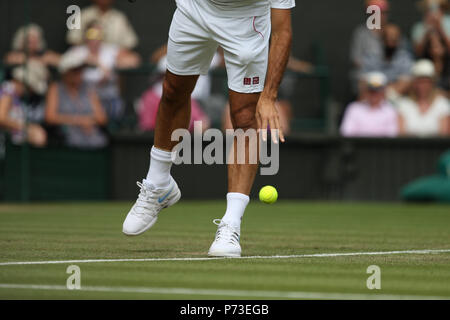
(141, 232)
(224, 255)
(171, 202)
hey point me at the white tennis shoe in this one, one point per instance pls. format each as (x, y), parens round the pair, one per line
(226, 243)
(144, 214)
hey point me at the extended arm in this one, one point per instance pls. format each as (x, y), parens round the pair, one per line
(280, 47)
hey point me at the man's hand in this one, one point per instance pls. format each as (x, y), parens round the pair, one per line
(267, 115)
(280, 47)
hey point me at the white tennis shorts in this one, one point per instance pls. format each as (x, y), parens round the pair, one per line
(195, 35)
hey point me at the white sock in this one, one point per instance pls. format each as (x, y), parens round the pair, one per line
(236, 204)
(159, 172)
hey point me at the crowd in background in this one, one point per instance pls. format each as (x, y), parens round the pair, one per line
(72, 98)
(401, 83)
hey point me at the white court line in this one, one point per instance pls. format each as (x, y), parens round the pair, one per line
(229, 293)
(317, 255)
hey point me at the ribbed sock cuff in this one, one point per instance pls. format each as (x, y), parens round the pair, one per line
(161, 155)
(238, 196)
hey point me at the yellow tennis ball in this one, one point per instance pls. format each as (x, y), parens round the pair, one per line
(268, 195)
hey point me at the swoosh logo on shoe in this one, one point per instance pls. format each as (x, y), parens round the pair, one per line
(161, 199)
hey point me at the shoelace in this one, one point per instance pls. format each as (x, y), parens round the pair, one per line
(226, 232)
(144, 197)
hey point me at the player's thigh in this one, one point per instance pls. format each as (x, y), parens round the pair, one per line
(190, 48)
(246, 51)
(243, 109)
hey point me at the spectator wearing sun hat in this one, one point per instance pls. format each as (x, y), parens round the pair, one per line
(104, 59)
(373, 116)
(74, 107)
(426, 112)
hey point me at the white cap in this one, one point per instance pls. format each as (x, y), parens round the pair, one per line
(73, 59)
(376, 80)
(423, 68)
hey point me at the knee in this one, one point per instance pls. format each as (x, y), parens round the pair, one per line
(174, 94)
(244, 118)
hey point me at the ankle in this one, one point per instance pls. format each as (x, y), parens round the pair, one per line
(160, 165)
(236, 205)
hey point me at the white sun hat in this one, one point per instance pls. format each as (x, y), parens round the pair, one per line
(376, 80)
(73, 59)
(423, 69)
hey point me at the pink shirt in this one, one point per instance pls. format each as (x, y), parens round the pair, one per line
(361, 120)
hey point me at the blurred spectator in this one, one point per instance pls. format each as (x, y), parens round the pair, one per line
(431, 39)
(201, 96)
(300, 66)
(288, 88)
(367, 42)
(374, 116)
(435, 20)
(117, 28)
(436, 51)
(102, 60)
(75, 107)
(18, 116)
(29, 44)
(395, 62)
(426, 112)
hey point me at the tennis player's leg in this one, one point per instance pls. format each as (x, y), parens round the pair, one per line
(246, 45)
(190, 51)
(242, 111)
(241, 174)
(174, 109)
